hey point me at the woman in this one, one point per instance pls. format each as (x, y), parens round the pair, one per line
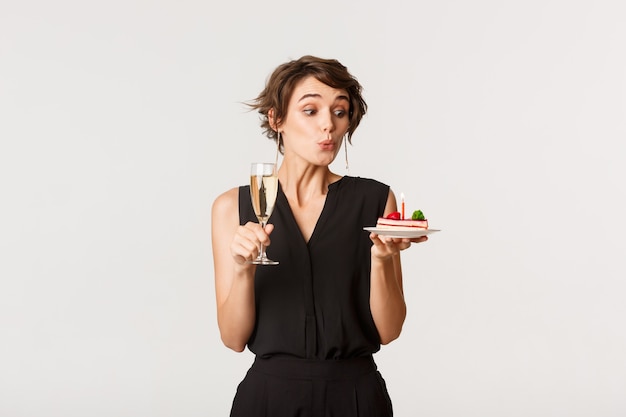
(315, 320)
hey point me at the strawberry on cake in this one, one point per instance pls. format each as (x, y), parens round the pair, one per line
(393, 221)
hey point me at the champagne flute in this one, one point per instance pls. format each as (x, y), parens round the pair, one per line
(263, 190)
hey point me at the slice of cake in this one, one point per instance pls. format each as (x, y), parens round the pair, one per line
(393, 221)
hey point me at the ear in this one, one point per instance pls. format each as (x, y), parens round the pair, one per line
(272, 120)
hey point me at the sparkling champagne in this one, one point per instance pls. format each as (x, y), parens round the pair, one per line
(263, 189)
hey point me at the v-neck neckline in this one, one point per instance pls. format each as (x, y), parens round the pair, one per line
(326, 208)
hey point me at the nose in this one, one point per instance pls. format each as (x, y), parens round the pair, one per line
(326, 122)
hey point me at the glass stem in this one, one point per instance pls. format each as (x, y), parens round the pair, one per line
(262, 254)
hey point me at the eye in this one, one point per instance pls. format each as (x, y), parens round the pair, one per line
(309, 112)
(340, 113)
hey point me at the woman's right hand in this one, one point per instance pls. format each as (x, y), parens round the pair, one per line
(247, 240)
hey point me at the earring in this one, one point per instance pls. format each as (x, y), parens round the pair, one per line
(345, 148)
(277, 149)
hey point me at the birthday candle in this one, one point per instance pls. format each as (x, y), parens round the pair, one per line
(402, 198)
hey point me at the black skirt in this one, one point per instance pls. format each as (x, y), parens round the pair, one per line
(285, 387)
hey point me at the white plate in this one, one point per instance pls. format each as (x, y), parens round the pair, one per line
(401, 233)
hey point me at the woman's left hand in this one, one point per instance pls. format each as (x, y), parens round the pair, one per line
(385, 247)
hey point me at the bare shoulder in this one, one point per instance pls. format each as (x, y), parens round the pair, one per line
(227, 202)
(224, 217)
(391, 205)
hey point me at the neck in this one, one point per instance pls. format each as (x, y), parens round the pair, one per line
(302, 183)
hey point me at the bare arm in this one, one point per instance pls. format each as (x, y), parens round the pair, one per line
(233, 245)
(386, 295)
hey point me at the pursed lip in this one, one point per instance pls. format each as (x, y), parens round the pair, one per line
(327, 145)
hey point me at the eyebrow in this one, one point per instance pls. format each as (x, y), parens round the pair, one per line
(315, 95)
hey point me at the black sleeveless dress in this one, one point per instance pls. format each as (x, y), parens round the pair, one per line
(313, 325)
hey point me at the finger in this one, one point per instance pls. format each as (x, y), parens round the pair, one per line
(376, 239)
(262, 236)
(244, 250)
(248, 232)
(245, 244)
(399, 244)
(384, 241)
(396, 244)
(383, 247)
(256, 233)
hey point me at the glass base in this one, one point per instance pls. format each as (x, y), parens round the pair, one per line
(264, 261)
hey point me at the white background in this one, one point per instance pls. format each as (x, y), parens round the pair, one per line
(121, 121)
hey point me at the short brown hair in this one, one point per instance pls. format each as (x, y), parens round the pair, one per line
(281, 83)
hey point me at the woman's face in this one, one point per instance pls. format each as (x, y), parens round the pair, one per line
(316, 121)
